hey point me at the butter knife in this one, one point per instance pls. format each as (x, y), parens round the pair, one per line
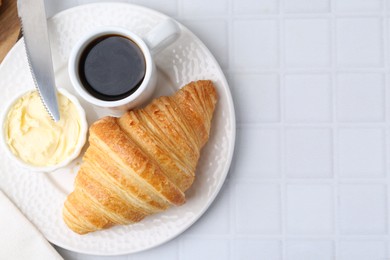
(36, 40)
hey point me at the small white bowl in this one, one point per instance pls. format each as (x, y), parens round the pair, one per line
(49, 168)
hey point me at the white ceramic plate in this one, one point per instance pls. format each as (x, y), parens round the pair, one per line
(40, 196)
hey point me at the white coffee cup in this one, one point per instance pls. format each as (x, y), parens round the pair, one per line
(157, 39)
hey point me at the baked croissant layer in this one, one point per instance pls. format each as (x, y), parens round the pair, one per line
(143, 162)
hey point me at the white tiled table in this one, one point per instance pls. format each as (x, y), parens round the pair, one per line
(310, 81)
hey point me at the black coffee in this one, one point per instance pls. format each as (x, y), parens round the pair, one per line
(112, 67)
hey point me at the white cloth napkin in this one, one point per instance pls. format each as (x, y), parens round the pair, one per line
(19, 238)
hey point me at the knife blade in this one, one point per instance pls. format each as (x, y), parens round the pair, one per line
(36, 40)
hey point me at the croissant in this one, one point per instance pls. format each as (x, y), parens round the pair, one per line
(143, 162)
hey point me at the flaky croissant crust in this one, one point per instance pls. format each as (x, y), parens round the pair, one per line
(143, 162)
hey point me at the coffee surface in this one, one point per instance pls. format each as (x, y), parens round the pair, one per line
(112, 67)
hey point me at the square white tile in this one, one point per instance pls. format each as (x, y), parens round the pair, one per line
(203, 8)
(309, 209)
(308, 152)
(214, 34)
(204, 248)
(307, 6)
(168, 7)
(309, 250)
(308, 97)
(255, 249)
(256, 97)
(94, 257)
(360, 97)
(362, 209)
(217, 219)
(361, 152)
(307, 43)
(255, 6)
(170, 251)
(255, 48)
(360, 6)
(361, 47)
(257, 208)
(258, 161)
(362, 249)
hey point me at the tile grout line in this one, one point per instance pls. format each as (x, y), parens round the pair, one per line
(265, 16)
(314, 181)
(230, 39)
(232, 219)
(386, 115)
(333, 51)
(232, 201)
(359, 125)
(282, 152)
(304, 70)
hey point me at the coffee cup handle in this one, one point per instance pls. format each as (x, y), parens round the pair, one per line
(162, 35)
